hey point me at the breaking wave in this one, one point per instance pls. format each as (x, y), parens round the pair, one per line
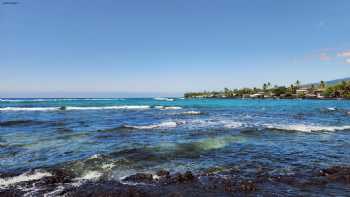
(191, 113)
(170, 124)
(167, 107)
(25, 177)
(164, 99)
(59, 99)
(74, 108)
(67, 108)
(306, 128)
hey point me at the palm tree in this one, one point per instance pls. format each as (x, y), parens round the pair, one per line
(268, 84)
(297, 84)
(264, 86)
(292, 89)
(322, 85)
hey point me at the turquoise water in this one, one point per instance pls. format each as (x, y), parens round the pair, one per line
(113, 138)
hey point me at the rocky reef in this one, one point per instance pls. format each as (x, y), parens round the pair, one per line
(210, 182)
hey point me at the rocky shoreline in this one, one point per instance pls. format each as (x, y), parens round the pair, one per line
(209, 183)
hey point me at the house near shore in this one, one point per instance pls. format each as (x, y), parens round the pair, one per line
(257, 95)
(319, 92)
(302, 91)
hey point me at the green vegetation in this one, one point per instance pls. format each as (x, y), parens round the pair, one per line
(341, 90)
(296, 90)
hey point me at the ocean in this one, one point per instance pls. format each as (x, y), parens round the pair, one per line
(205, 147)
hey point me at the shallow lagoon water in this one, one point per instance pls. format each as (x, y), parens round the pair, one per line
(108, 139)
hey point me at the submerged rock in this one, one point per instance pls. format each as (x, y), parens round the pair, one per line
(12, 123)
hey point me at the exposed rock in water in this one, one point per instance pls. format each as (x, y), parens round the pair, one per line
(163, 173)
(337, 173)
(107, 189)
(140, 178)
(181, 178)
(58, 176)
(63, 108)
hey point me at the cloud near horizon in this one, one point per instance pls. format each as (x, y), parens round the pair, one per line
(345, 54)
(332, 54)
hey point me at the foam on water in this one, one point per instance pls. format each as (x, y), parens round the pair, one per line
(306, 128)
(332, 108)
(29, 109)
(169, 124)
(118, 107)
(110, 107)
(192, 113)
(167, 107)
(90, 175)
(164, 99)
(59, 99)
(37, 175)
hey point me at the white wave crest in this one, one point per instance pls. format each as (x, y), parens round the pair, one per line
(191, 113)
(331, 108)
(37, 175)
(60, 99)
(29, 108)
(110, 107)
(168, 107)
(131, 107)
(169, 124)
(233, 124)
(90, 175)
(164, 99)
(306, 128)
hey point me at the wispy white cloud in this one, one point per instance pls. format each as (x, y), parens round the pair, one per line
(327, 55)
(344, 53)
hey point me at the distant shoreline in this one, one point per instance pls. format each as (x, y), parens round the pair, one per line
(232, 98)
(322, 91)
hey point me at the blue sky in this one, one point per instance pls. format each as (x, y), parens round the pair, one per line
(63, 46)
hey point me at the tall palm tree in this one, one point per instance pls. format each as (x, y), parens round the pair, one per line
(322, 85)
(264, 86)
(297, 84)
(268, 84)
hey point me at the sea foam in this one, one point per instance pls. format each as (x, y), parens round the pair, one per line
(169, 124)
(167, 107)
(306, 128)
(132, 107)
(191, 113)
(164, 99)
(28, 176)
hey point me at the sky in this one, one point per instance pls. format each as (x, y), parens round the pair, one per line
(112, 47)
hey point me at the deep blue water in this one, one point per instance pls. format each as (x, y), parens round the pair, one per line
(145, 135)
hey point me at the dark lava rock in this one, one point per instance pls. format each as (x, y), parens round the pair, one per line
(63, 108)
(58, 176)
(163, 173)
(337, 173)
(107, 189)
(140, 177)
(247, 186)
(182, 178)
(11, 193)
